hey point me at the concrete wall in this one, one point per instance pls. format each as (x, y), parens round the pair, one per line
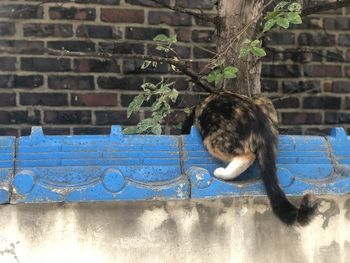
(222, 230)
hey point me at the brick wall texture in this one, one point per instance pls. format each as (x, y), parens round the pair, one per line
(306, 72)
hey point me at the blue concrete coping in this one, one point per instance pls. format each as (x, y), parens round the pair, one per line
(316, 164)
(98, 168)
(7, 164)
(116, 167)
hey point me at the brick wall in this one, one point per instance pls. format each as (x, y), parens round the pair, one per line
(307, 71)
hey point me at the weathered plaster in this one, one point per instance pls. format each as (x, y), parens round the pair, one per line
(222, 230)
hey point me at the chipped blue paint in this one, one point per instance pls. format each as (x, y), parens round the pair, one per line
(98, 168)
(305, 164)
(7, 158)
(120, 167)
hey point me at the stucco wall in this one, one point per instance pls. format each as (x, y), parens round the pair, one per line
(221, 230)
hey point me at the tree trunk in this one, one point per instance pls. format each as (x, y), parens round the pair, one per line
(239, 20)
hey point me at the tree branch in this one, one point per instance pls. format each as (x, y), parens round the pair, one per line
(324, 7)
(180, 65)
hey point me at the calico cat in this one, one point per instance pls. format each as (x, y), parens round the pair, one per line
(237, 130)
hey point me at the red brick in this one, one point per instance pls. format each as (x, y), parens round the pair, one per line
(184, 35)
(289, 102)
(173, 19)
(20, 117)
(72, 13)
(122, 15)
(8, 132)
(68, 82)
(146, 2)
(297, 118)
(22, 11)
(328, 86)
(56, 131)
(47, 30)
(91, 130)
(196, 4)
(7, 99)
(95, 65)
(44, 99)
(94, 99)
(341, 86)
(203, 36)
(323, 71)
(321, 102)
(116, 117)
(67, 117)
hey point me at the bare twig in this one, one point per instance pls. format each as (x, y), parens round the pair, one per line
(235, 38)
(180, 65)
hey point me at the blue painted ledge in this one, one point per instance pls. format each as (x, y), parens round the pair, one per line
(40, 168)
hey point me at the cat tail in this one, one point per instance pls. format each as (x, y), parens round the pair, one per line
(281, 206)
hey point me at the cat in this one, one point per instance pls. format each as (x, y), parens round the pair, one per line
(237, 130)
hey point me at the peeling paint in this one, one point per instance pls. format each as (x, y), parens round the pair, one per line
(10, 250)
(347, 209)
(329, 253)
(152, 219)
(261, 205)
(328, 209)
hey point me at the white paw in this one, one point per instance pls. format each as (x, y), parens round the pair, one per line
(220, 172)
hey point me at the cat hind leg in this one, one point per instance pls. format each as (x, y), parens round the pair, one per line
(237, 166)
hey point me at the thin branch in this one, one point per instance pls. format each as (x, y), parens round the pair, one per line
(201, 15)
(235, 38)
(180, 65)
(325, 7)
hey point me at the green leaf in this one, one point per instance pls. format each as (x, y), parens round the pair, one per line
(170, 84)
(135, 105)
(230, 72)
(146, 124)
(281, 5)
(294, 18)
(246, 41)
(173, 95)
(217, 80)
(157, 129)
(258, 51)
(162, 48)
(243, 52)
(255, 43)
(215, 76)
(283, 22)
(271, 15)
(162, 38)
(173, 67)
(146, 64)
(295, 7)
(147, 87)
(130, 130)
(269, 24)
(156, 106)
(218, 63)
(179, 125)
(173, 39)
(187, 110)
(162, 89)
